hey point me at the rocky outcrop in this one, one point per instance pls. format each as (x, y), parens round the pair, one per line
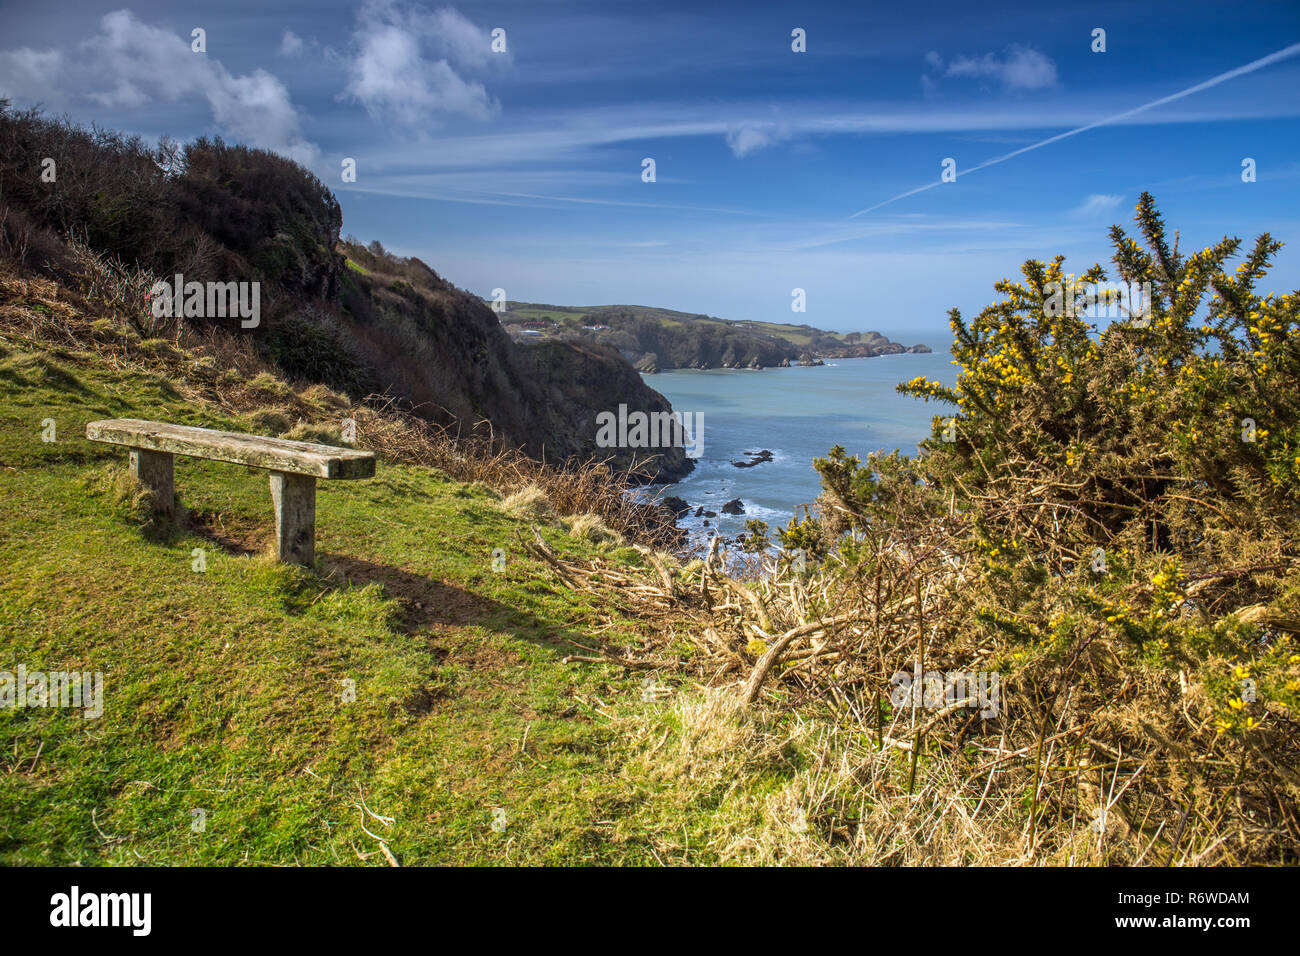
(579, 381)
(871, 350)
(679, 507)
(756, 458)
(702, 343)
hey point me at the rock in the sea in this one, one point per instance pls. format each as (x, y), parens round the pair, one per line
(757, 458)
(676, 505)
(734, 507)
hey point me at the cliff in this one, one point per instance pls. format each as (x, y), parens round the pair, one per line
(354, 318)
(447, 353)
(655, 339)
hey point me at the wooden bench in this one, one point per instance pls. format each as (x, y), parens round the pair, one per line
(294, 467)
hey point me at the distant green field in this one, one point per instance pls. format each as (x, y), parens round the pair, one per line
(563, 316)
(794, 333)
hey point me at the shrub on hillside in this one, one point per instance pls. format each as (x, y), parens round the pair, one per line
(1109, 518)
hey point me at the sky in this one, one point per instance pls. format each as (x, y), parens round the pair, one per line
(523, 167)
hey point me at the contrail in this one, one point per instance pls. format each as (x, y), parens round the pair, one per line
(1251, 67)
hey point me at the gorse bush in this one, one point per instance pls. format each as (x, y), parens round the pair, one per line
(1155, 422)
(1109, 518)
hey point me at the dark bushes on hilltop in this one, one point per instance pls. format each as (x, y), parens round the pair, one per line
(209, 210)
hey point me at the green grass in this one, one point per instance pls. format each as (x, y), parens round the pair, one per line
(224, 690)
(570, 317)
(791, 333)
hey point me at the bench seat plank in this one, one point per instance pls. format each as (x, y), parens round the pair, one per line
(274, 454)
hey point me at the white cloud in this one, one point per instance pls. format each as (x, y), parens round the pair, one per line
(31, 74)
(402, 65)
(130, 64)
(124, 94)
(1097, 204)
(581, 136)
(291, 44)
(458, 38)
(1021, 68)
(751, 137)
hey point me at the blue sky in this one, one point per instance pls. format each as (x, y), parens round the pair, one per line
(523, 170)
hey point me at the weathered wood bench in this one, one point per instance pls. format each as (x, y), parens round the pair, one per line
(294, 467)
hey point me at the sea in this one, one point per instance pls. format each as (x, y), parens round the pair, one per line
(797, 414)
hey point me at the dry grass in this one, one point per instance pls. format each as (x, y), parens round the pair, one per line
(591, 527)
(1098, 760)
(529, 504)
(843, 800)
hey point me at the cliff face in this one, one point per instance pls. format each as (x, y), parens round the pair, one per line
(446, 352)
(577, 377)
(351, 317)
(867, 351)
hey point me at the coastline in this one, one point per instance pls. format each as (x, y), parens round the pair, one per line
(796, 418)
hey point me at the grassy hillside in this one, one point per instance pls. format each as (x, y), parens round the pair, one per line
(575, 316)
(223, 688)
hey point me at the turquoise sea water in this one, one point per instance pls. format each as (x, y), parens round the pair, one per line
(797, 414)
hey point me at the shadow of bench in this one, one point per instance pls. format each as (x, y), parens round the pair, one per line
(294, 468)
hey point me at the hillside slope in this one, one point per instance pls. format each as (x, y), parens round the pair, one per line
(447, 353)
(353, 318)
(224, 694)
(654, 339)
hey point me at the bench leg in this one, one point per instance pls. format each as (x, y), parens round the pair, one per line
(295, 517)
(153, 469)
